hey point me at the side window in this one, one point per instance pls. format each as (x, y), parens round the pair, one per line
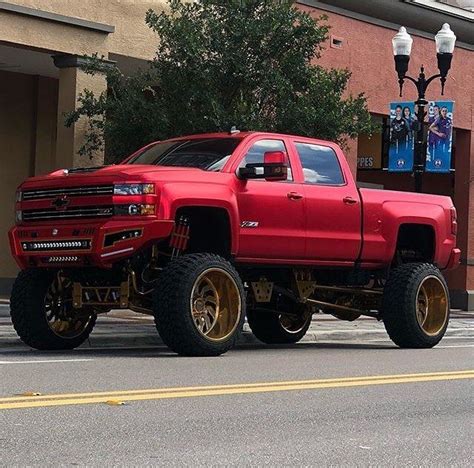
(320, 164)
(258, 149)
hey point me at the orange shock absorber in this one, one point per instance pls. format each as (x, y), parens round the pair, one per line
(184, 236)
(180, 237)
(174, 239)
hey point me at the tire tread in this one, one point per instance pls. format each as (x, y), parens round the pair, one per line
(398, 309)
(171, 306)
(267, 328)
(27, 294)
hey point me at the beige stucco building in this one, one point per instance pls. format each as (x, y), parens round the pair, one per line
(40, 45)
(42, 42)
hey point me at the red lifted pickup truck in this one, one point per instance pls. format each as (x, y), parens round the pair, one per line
(202, 230)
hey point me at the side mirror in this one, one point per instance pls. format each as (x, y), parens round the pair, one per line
(274, 167)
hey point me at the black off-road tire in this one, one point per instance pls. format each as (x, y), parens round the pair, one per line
(267, 327)
(172, 305)
(28, 315)
(399, 307)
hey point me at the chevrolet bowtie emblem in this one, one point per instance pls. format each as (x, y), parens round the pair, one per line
(61, 202)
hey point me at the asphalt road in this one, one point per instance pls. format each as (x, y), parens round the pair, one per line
(348, 399)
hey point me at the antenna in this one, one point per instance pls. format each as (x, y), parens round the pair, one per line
(234, 130)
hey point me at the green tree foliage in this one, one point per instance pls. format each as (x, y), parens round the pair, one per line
(219, 63)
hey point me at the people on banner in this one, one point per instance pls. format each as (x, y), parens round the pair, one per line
(402, 125)
(441, 128)
(440, 136)
(410, 118)
(431, 135)
(400, 129)
(403, 128)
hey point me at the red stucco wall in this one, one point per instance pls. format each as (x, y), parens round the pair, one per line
(367, 52)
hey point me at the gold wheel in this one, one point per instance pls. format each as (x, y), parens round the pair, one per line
(432, 305)
(60, 316)
(215, 304)
(293, 323)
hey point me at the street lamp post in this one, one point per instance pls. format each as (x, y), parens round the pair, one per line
(402, 44)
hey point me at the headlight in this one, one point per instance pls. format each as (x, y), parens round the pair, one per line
(134, 210)
(134, 189)
(18, 196)
(18, 216)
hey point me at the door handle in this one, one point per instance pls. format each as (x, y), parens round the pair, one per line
(349, 200)
(294, 196)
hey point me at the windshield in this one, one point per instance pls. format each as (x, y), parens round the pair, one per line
(209, 154)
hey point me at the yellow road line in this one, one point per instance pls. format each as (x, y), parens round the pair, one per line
(240, 385)
(217, 390)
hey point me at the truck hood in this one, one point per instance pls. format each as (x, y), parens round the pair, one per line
(111, 174)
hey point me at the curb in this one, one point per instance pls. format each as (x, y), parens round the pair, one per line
(123, 313)
(138, 340)
(247, 338)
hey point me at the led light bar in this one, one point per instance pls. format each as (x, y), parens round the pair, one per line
(67, 259)
(39, 246)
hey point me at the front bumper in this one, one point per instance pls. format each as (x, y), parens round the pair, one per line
(88, 244)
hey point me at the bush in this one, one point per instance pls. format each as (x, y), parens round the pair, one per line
(220, 63)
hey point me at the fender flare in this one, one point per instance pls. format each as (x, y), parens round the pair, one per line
(176, 196)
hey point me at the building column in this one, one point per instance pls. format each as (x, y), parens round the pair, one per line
(468, 257)
(461, 280)
(73, 81)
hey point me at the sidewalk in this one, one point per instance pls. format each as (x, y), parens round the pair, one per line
(123, 328)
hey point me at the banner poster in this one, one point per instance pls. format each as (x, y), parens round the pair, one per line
(402, 119)
(440, 136)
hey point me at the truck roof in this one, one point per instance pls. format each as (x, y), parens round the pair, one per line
(243, 134)
(239, 135)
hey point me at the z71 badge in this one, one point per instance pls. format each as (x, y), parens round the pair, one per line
(249, 224)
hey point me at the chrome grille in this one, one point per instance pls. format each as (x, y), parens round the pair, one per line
(92, 190)
(69, 213)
